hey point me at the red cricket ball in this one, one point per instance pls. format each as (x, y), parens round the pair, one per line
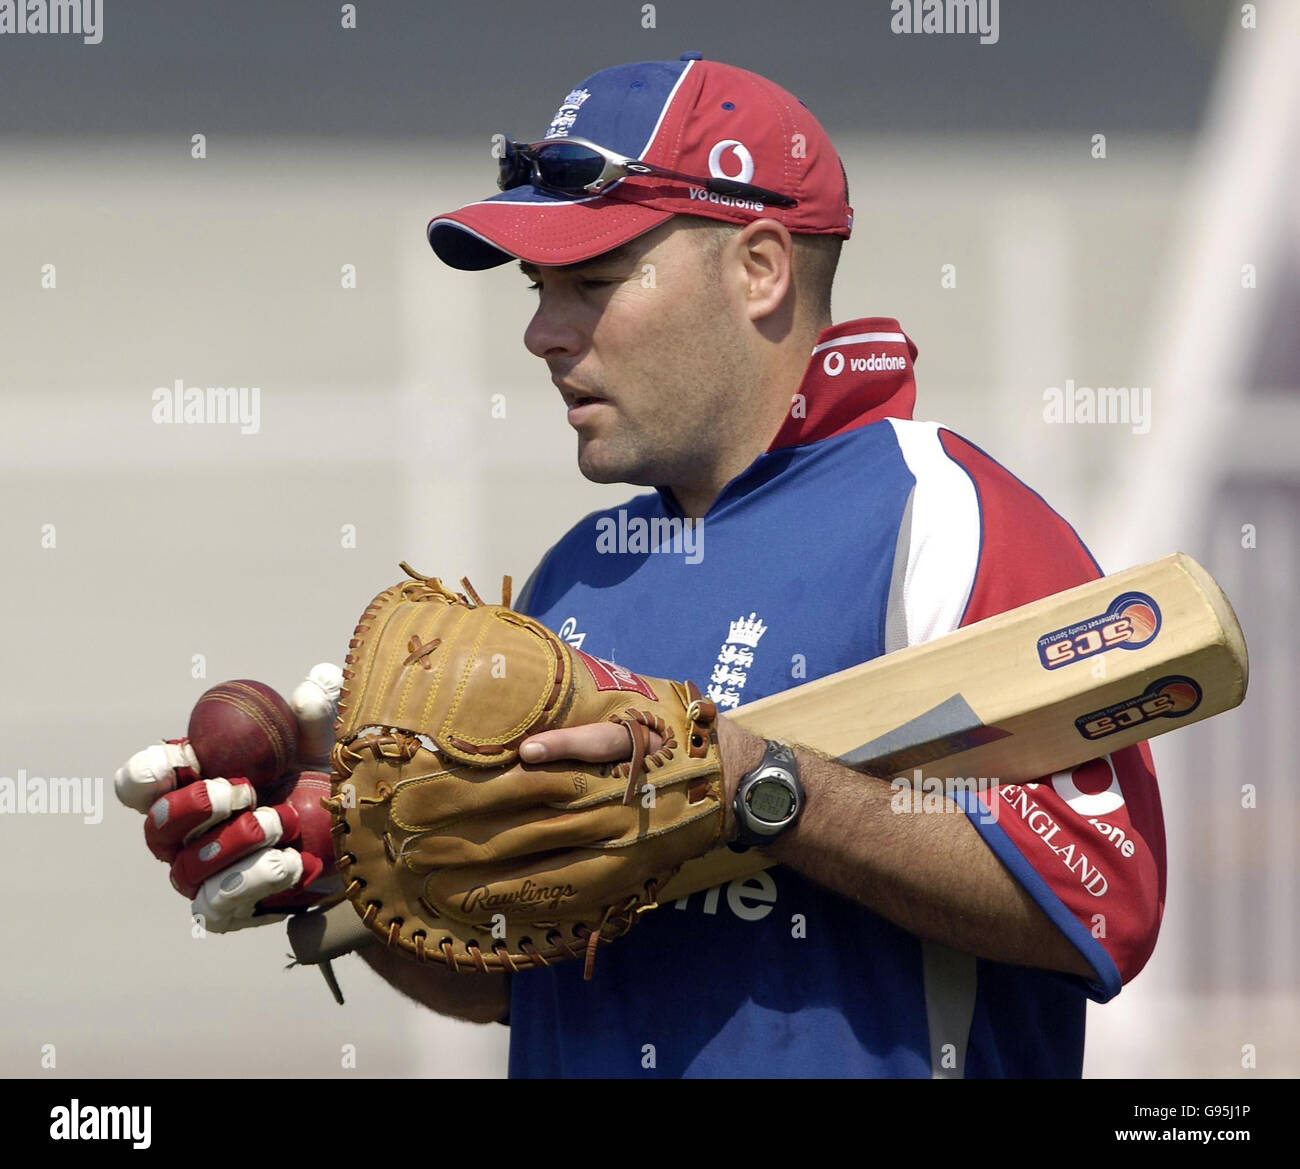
(243, 728)
(313, 821)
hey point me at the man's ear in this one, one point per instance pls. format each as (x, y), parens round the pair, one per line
(766, 255)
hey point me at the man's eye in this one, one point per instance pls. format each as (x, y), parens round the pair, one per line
(588, 285)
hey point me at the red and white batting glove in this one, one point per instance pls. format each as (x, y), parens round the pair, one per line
(235, 860)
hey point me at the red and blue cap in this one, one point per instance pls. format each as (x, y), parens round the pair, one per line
(693, 116)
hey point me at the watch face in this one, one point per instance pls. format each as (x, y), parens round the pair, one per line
(771, 801)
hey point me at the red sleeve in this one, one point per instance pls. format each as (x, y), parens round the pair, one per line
(1088, 844)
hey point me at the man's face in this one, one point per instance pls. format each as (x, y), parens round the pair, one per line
(645, 345)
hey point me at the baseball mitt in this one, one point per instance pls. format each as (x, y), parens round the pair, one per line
(455, 851)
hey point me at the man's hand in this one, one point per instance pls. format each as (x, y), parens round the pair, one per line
(738, 750)
(929, 874)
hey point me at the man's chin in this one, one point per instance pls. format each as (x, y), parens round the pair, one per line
(600, 466)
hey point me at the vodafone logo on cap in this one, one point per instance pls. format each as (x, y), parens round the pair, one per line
(741, 152)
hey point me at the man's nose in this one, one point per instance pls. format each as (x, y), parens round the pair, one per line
(550, 334)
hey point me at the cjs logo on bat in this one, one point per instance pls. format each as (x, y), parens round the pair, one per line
(1131, 621)
(1170, 697)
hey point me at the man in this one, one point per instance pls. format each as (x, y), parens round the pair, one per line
(683, 311)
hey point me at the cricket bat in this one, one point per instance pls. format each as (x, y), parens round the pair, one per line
(1012, 698)
(1017, 696)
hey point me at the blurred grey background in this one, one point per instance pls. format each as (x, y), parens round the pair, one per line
(1173, 262)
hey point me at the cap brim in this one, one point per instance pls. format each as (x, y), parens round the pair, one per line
(547, 230)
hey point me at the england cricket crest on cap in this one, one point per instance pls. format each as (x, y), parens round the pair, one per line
(567, 114)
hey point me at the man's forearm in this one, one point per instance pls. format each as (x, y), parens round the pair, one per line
(930, 873)
(476, 998)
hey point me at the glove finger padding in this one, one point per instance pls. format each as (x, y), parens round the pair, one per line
(295, 824)
(187, 812)
(231, 899)
(453, 849)
(221, 846)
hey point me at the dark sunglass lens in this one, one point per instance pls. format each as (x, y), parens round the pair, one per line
(567, 166)
(513, 169)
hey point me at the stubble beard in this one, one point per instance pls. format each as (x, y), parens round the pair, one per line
(625, 458)
(689, 436)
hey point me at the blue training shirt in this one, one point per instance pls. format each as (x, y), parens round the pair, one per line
(858, 532)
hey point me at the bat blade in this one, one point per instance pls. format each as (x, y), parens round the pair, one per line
(1021, 695)
(1033, 690)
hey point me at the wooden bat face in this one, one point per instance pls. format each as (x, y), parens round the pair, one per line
(1034, 690)
(1023, 694)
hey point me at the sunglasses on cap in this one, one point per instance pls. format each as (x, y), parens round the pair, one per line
(576, 167)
